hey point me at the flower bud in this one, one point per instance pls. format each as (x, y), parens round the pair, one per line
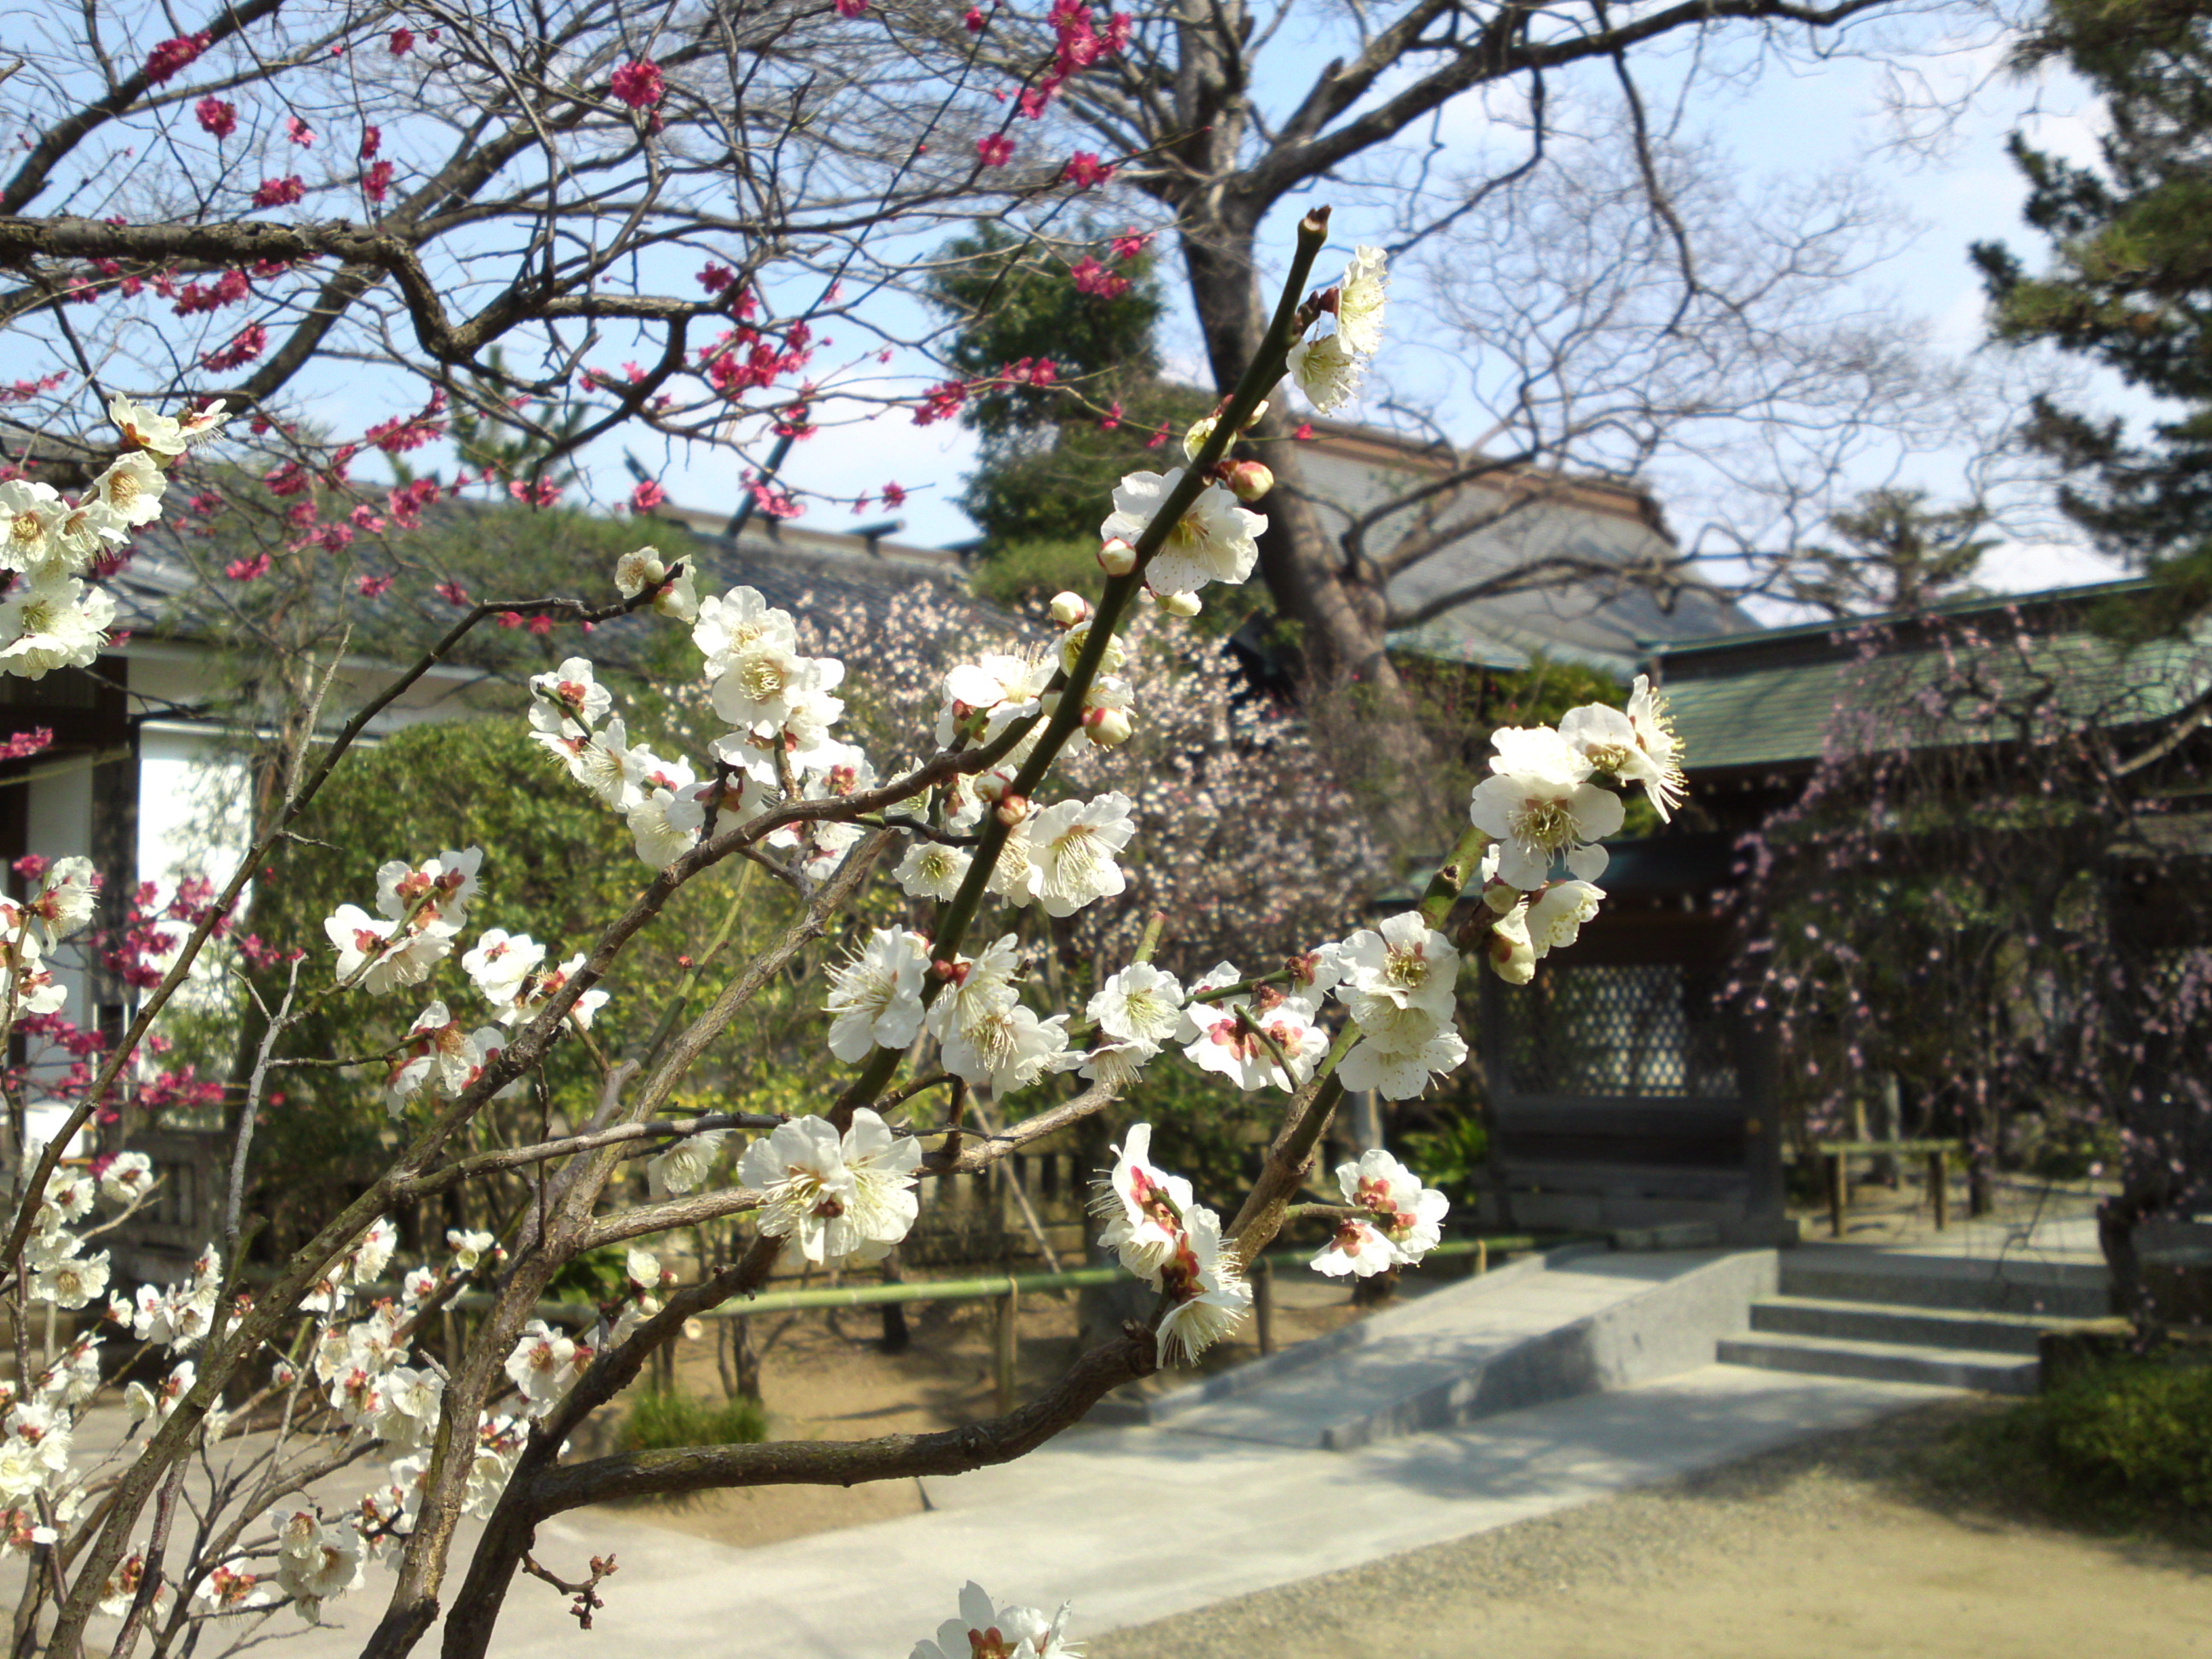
(1118, 557)
(1049, 702)
(1108, 727)
(1069, 608)
(990, 785)
(1201, 430)
(1512, 953)
(1012, 809)
(1180, 604)
(1247, 480)
(694, 1329)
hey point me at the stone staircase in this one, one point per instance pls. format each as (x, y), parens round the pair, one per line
(1895, 1316)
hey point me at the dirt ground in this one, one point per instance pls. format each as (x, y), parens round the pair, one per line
(825, 1376)
(1831, 1550)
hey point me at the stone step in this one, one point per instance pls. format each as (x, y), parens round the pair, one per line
(1883, 1362)
(1557, 1327)
(2047, 1289)
(1874, 1321)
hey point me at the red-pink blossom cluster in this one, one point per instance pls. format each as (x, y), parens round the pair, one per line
(217, 118)
(24, 391)
(21, 746)
(228, 290)
(401, 434)
(174, 56)
(639, 84)
(248, 343)
(279, 193)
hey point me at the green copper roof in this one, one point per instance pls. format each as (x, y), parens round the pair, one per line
(1772, 712)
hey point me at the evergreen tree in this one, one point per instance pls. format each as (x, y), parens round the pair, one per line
(1897, 554)
(2130, 285)
(1053, 453)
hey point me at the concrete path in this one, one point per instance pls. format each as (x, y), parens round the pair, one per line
(1136, 1524)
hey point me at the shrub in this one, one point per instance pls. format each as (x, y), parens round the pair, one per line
(661, 1421)
(2127, 1443)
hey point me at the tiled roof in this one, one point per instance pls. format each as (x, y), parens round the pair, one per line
(1781, 696)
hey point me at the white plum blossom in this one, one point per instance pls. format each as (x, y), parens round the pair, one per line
(545, 1364)
(541, 987)
(1542, 808)
(1356, 1250)
(469, 1249)
(1205, 1280)
(1555, 916)
(1002, 687)
(643, 568)
(985, 1631)
(67, 896)
(1142, 1205)
(1655, 736)
(1003, 1043)
(570, 696)
(127, 1177)
(686, 1163)
(70, 1281)
(1140, 1003)
(1072, 847)
(29, 511)
(51, 621)
(932, 870)
(500, 962)
(130, 489)
(438, 888)
(838, 1197)
(1226, 1036)
(1409, 1216)
(766, 683)
(1361, 293)
(737, 623)
(1404, 961)
(1399, 1048)
(876, 995)
(1215, 541)
(162, 433)
(1327, 372)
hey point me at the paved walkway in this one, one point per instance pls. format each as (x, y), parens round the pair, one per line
(1135, 1524)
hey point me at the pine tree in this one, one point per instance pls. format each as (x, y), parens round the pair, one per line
(1897, 554)
(2130, 284)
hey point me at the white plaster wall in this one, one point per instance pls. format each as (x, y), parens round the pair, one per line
(60, 826)
(193, 803)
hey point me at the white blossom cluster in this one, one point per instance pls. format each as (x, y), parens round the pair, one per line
(1542, 806)
(1167, 1238)
(1400, 1220)
(49, 617)
(28, 931)
(1327, 366)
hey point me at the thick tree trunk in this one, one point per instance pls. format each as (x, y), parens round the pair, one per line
(1342, 622)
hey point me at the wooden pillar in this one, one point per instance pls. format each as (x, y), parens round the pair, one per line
(1006, 1345)
(1263, 1303)
(1939, 1186)
(1839, 1192)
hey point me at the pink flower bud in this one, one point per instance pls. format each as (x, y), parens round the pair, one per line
(1108, 727)
(1012, 809)
(1118, 557)
(1247, 480)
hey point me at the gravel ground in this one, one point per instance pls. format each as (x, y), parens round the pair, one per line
(1825, 1549)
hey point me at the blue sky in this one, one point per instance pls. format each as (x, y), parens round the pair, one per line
(1790, 120)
